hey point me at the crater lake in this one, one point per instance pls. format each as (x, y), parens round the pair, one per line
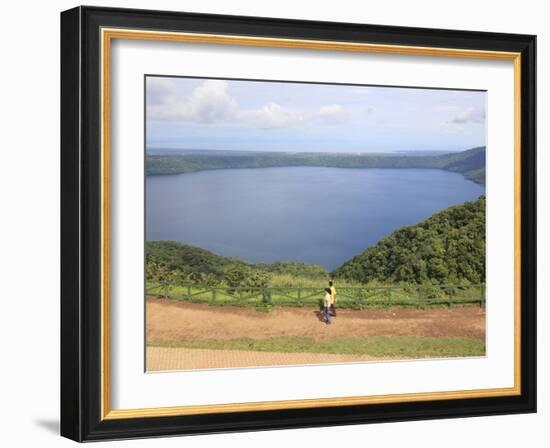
(314, 215)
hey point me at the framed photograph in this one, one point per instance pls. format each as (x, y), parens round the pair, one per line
(273, 223)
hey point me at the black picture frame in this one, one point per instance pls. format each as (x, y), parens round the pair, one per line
(81, 224)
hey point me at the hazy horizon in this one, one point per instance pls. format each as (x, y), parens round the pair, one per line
(183, 151)
(294, 151)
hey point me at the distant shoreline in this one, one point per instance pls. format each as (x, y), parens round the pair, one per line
(304, 166)
(470, 163)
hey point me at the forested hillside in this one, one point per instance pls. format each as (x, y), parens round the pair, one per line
(447, 248)
(470, 163)
(185, 263)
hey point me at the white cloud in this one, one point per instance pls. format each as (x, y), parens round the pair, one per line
(469, 115)
(333, 114)
(210, 103)
(273, 116)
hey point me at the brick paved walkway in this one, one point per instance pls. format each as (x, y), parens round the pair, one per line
(164, 358)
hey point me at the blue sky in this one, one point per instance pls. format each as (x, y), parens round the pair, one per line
(186, 113)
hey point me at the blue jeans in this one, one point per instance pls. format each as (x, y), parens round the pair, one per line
(326, 314)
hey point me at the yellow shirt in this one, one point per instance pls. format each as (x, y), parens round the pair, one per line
(332, 295)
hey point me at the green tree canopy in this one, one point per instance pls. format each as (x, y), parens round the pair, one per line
(448, 247)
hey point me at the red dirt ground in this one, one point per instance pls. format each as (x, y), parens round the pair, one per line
(169, 320)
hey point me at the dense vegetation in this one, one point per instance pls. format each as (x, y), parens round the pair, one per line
(447, 248)
(470, 163)
(175, 263)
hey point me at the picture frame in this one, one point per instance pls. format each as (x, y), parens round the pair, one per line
(87, 34)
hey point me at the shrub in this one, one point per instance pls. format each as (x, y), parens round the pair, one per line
(236, 276)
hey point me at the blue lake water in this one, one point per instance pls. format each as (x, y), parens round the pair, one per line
(315, 215)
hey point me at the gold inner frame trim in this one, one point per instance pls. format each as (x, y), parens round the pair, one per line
(107, 35)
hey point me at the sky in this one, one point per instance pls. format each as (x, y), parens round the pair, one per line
(196, 113)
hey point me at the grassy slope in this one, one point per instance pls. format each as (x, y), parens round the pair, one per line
(356, 297)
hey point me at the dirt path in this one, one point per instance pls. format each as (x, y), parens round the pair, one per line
(168, 320)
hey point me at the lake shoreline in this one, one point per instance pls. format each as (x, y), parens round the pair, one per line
(307, 166)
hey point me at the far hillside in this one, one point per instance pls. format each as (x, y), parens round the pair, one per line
(470, 163)
(447, 248)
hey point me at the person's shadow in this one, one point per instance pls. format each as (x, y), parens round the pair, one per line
(320, 316)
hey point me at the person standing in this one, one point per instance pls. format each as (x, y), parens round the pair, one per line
(332, 297)
(326, 306)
